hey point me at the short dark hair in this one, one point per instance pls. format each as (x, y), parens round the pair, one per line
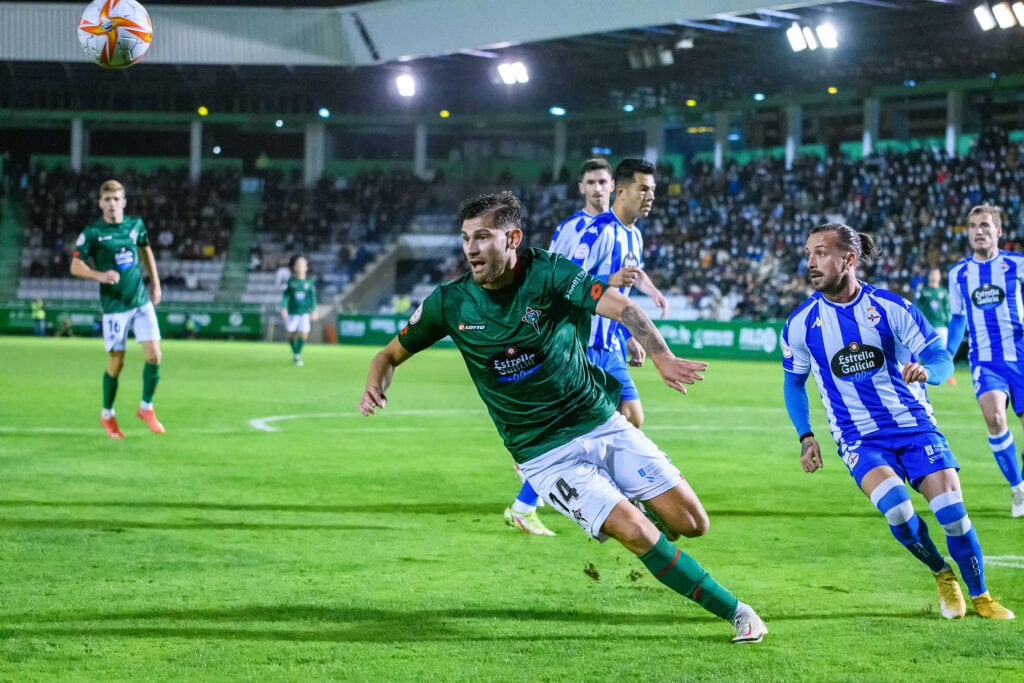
(504, 207)
(625, 171)
(860, 243)
(595, 164)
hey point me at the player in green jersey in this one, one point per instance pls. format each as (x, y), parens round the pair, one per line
(933, 300)
(115, 244)
(516, 320)
(298, 307)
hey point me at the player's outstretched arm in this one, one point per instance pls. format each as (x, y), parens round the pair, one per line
(676, 372)
(378, 379)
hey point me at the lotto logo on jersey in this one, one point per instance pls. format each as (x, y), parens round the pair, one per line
(124, 259)
(856, 361)
(988, 296)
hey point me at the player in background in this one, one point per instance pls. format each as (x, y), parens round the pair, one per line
(870, 352)
(596, 186)
(985, 298)
(298, 307)
(116, 244)
(556, 411)
(612, 249)
(933, 301)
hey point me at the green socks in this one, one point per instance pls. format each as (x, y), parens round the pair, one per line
(685, 576)
(109, 391)
(150, 378)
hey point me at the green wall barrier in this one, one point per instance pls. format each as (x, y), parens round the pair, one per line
(694, 339)
(82, 318)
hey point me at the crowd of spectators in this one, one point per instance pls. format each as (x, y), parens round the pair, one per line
(352, 215)
(184, 221)
(731, 241)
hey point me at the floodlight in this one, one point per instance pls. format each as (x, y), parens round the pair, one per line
(1018, 10)
(513, 72)
(827, 36)
(984, 16)
(812, 42)
(796, 37)
(1004, 15)
(406, 85)
(557, 111)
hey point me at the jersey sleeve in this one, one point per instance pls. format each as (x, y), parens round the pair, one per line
(426, 325)
(594, 248)
(81, 246)
(912, 329)
(956, 301)
(143, 235)
(575, 285)
(796, 357)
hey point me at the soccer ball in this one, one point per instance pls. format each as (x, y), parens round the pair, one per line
(115, 33)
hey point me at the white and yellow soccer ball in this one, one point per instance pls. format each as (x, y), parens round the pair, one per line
(115, 33)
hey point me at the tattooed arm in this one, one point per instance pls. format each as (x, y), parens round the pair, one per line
(677, 372)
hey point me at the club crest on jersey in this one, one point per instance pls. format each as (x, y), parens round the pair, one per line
(631, 261)
(849, 454)
(872, 315)
(855, 362)
(533, 318)
(988, 296)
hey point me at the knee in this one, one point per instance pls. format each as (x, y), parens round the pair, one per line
(634, 531)
(153, 356)
(695, 524)
(115, 365)
(632, 411)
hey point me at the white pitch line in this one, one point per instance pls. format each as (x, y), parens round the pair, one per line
(1010, 561)
(263, 423)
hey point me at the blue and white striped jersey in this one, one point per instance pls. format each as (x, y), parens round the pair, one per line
(989, 294)
(604, 247)
(856, 352)
(568, 232)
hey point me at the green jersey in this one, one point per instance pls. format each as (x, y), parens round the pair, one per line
(299, 296)
(523, 350)
(934, 303)
(116, 247)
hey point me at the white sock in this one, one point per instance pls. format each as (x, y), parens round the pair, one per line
(145, 406)
(106, 414)
(522, 508)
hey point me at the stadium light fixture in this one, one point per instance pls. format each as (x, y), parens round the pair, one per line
(279, 124)
(796, 37)
(759, 97)
(1004, 15)
(406, 85)
(1018, 11)
(324, 112)
(827, 36)
(812, 42)
(557, 111)
(985, 18)
(513, 72)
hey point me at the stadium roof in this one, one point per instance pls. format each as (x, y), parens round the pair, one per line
(585, 56)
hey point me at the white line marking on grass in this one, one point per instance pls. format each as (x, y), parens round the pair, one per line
(263, 423)
(1011, 561)
(94, 431)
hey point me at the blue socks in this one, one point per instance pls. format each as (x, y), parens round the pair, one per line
(892, 498)
(1005, 452)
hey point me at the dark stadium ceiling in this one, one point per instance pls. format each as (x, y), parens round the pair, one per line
(723, 58)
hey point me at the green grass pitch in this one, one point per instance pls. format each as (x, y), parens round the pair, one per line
(322, 545)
